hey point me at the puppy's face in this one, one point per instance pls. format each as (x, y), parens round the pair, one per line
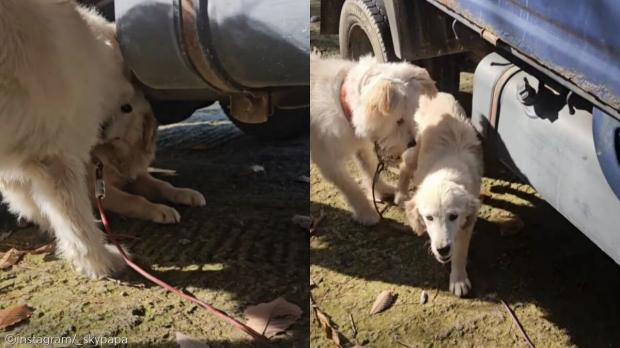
(443, 213)
(389, 97)
(133, 123)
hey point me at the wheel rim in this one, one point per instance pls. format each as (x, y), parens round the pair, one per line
(359, 43)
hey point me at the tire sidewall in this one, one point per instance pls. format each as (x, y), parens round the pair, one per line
(355, 13)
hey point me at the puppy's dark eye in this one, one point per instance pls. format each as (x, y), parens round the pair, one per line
(400, 122)
(429, 217)
(452, 217)
(126, 108)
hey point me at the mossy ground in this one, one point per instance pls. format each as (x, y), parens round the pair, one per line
(241, 249)
(562, 288)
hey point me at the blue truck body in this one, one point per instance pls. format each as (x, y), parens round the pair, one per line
(576, 39)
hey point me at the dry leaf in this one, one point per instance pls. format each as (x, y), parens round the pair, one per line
(185, 341)
(14, 315)
(45, 249)
(303, 178)
(423, 297)
(257, 168)
(302, 221)
(383, 302)
(273, 317)
(326, 324)
(509, 224)
(10, 258)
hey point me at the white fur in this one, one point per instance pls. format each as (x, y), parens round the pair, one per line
(59, 78)
(448, 171)
(380, 95)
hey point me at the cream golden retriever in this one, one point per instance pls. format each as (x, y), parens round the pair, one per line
(447, 168)
(353, 106)
(59, 79)
(127, 148)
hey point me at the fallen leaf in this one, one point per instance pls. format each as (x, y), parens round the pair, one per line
(10, 258)
(384, 300)
(509, 224)
(302, 221)
(14, 315)
(303, 178)
(185, 341)
(423, 297)
(272, 318)
(45, 249)
(330, 331)
(257, 168)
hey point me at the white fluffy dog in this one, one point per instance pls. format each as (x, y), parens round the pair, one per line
(447, 162)
(127, 148)
(59, 78)
(354, 105)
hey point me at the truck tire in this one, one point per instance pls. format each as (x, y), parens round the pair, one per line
(281, 125)
(364, 29)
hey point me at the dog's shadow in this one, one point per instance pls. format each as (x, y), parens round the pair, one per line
(549, 263)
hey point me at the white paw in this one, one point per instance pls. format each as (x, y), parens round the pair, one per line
(459, 284)
(163, 214)
(98, 262)
(367, 217)
(400, 198)
(189, 197)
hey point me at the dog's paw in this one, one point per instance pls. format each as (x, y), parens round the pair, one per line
(163, 214)
(367, 218)
(459, 284)
(189, 197)
(99, 262)
(400, 198)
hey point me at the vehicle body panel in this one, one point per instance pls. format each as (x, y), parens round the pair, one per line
(552, 149)
(576, 39)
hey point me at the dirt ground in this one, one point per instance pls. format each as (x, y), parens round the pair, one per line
(561, 287)
(241, 249)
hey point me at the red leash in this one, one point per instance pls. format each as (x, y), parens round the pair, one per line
(100, 194)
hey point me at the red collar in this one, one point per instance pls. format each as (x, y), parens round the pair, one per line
(346, 108)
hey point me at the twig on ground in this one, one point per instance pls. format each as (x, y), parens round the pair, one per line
(353, 327)
(515, 320)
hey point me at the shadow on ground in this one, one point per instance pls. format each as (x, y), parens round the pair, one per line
(241, 249)
(561, 286)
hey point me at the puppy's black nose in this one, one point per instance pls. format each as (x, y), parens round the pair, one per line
(412, 143)
(445, 251)
(126, 108)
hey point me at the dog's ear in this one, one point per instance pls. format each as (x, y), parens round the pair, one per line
(413, 215)
(473, 205)
(382, 97)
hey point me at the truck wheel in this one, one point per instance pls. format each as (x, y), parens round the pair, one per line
(364, 29)
(281, 125)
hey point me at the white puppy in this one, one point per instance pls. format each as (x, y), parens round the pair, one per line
(59, 79)
(448, 171)
(354, 105)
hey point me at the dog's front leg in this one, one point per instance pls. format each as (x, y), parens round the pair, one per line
(407, 167)
(60, 193)
(367, 162)
(134, 206)
(459, 281)
(159, 190)
(333, 171)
